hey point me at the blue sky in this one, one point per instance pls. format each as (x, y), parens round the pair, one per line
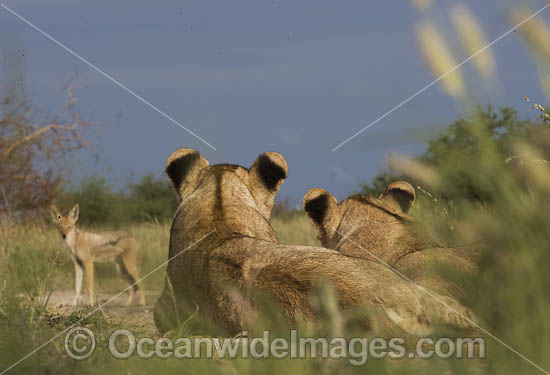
(297, 77)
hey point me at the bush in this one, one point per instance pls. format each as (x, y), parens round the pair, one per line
(149, 199)
(98, 203)
(461, 141)
(495, 181)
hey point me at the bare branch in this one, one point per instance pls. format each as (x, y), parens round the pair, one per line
(33, 146)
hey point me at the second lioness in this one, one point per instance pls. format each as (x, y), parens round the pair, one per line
(378, 229)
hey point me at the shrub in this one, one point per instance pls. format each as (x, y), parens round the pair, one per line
(97, 200)
(149, 199)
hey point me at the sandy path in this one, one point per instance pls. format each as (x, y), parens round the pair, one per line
(138, 319)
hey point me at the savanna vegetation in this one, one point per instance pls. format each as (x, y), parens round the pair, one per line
(484, 182)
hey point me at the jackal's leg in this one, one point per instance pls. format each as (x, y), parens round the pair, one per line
(121, 267)
(89, 265)
(131, 295)
(130, 265)
(141, 297)
(78, 272)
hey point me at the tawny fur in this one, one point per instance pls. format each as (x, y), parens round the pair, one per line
(369, 228)
(87, 248)
(223, 250)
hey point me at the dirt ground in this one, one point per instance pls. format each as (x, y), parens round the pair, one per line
(136, 318)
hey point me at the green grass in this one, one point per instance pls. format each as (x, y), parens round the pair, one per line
(295, 229)
(34, 262)
(36, 251)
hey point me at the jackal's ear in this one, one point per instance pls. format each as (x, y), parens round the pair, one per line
(73, 213)
(183, 167)
(56, 216)
(399, 195)
(322, 209)
(266, 175)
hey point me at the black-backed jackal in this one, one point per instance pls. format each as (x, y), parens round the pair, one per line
(86, 248)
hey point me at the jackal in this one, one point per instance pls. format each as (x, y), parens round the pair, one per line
(87, 248)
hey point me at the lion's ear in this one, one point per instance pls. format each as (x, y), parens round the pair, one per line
(266, 175)
(399, 195)
(322, 209)
(183, 167)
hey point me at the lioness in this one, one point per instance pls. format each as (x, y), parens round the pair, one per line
(222, 249)
(370, 228)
